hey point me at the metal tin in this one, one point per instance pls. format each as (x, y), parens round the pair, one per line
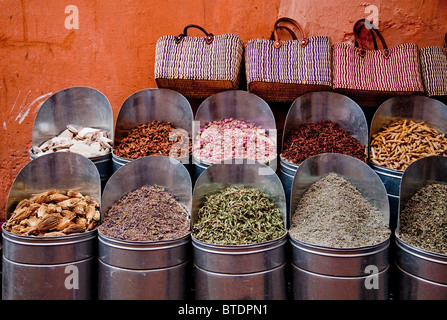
(422, 274)
(416, 108)
(78, 106)
(314, 265)
(148, 105)
(65, 266)
(236, 104)
(140, 270)
(254, 271)
(313, 107)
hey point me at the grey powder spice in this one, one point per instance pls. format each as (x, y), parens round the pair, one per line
(423, 219)
(148, 213)
(333, 213)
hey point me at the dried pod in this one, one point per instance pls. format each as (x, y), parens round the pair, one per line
(69, 204)
(90, 212)
(74, 228)
(64, 223)
(43, 196)
(69, 215)
(19, 215)
(49, 222)
(54, 234)
(57, 197)
(82, 222)
(74, 194)
(42, 211)
(23, 203)
(89, 200)
(79, 210)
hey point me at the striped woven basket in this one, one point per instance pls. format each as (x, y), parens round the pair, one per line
(198, 67)
(434, 70)
(372, 76)
(281, 70)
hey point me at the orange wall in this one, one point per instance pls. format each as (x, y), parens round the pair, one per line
(114, 48)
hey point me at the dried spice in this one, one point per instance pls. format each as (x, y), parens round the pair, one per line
(154, 138)
(148, 213)
(404, 141)
(333, 213)
(89, 142)
(238, 216)
(423, 219)
(310, 139)
(52, 213)
(231, 138)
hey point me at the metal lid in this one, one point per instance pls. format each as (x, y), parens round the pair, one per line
(148, 105)
(158, 170)
(77, 106)
(313, 107)
(59, 170)
(357, 172)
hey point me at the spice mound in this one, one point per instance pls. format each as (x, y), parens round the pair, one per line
(238, 216)
(154, 138)
(423, 219)
(333, 213)
(230, 139)
(148, 213)
(404, 141)
(52, 213)
(89, 142)
(310, 139)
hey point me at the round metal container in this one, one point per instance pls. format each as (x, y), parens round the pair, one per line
(254, 271)
(239, 105)
(422, 274)
(416, 108)
(148, 105)
(145, 270)
(80, 107)
(315, 267)
(314, 107)
(63, 267)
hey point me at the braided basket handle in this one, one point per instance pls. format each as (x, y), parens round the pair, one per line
(277, 44)
(209, 37)
(357, 28)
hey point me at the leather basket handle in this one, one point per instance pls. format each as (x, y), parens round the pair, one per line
(290, 31)
(357, 29)
(277, 43)
(209, 37)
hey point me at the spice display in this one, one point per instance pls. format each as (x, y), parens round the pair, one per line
(231, 138)
(333, 213)
(148, 213)
(52, 213)
(423, 219)
(402, 142)
(89, 142)
(310, 139)
(154, 138)
(237, 216)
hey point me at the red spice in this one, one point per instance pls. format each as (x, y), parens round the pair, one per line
(322, 137)
(155, 138)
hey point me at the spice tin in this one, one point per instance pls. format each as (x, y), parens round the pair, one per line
(51, 268)
(148, 105)
(416, 108)
(254, 271)
(421, 274)
(145, 270)
(325, 273)
(236, 104)
(316, 106)
(80, 107)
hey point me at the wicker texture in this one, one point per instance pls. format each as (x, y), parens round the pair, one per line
(434, 70)
(281, 74)
(372, 76)
(196, 68)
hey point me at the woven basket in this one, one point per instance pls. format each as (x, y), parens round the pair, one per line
(282, 70)
(434, 70)
(198, 67)
(372, 76)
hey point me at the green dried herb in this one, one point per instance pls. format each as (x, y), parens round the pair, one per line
(423, 219)
(333, 213)
(237, 216)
